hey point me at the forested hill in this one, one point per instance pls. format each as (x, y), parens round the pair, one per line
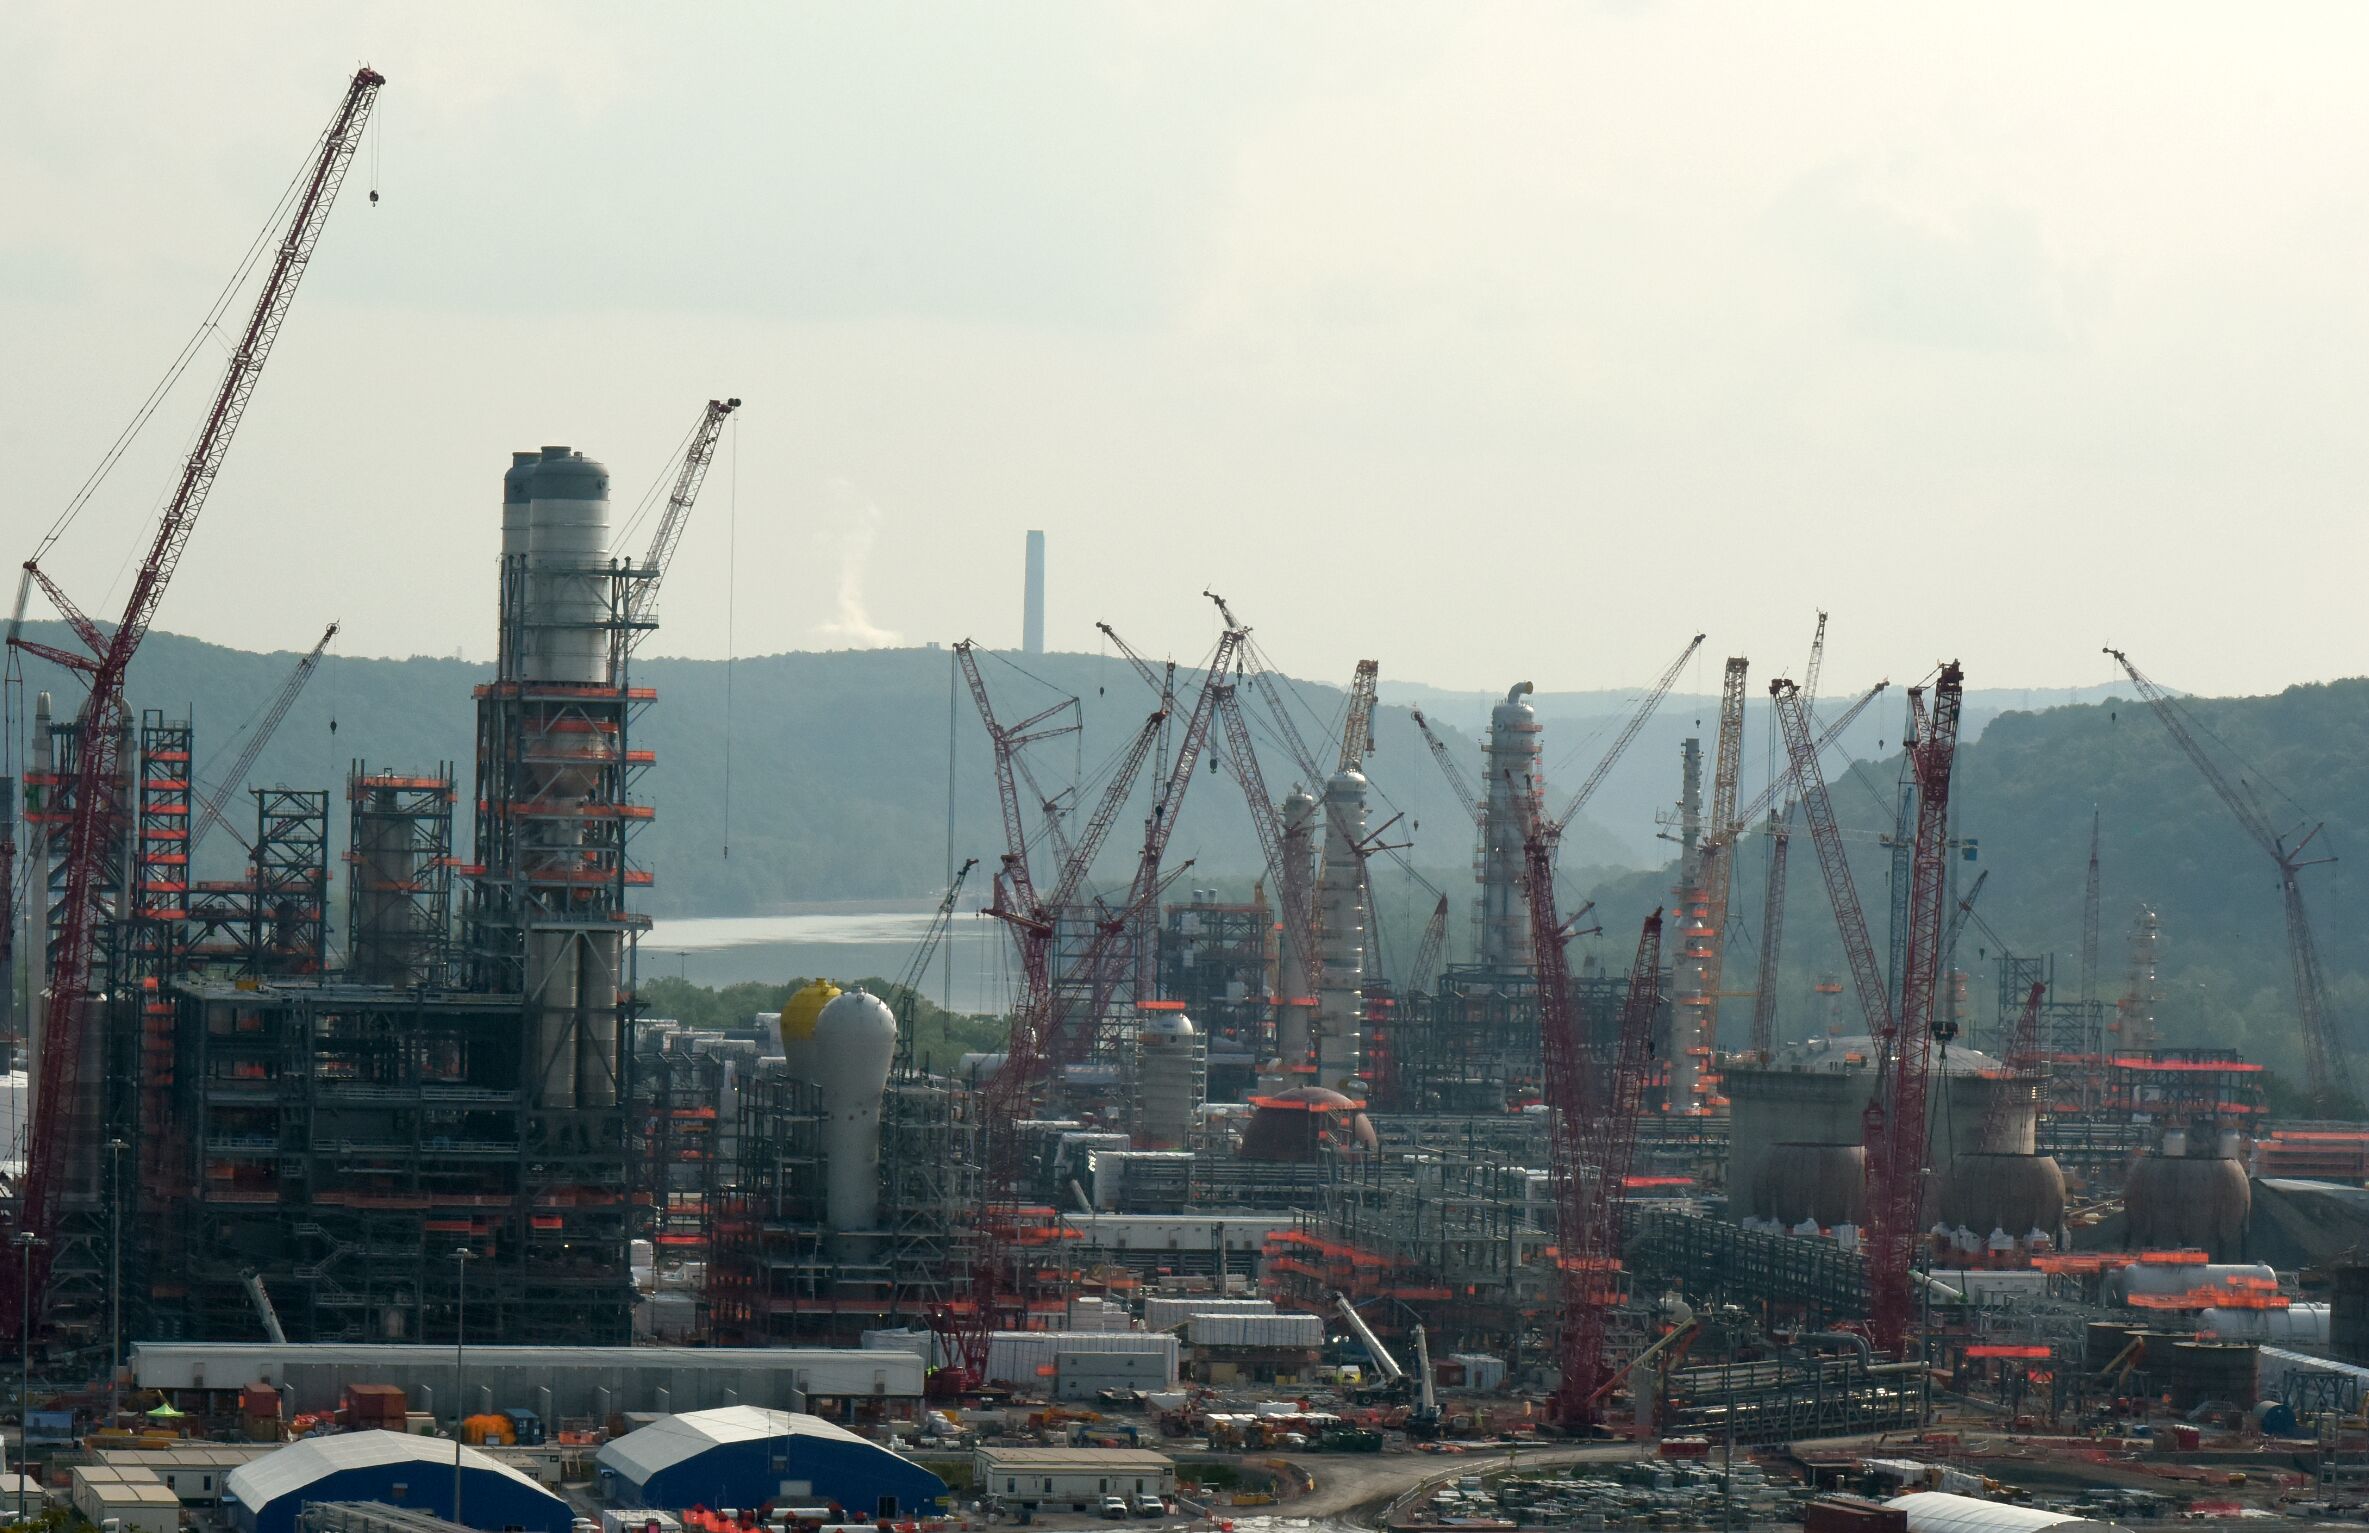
(838, 766)
(808, 776)
(2024, 794)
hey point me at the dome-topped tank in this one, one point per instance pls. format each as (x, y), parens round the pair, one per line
(2176, 1201)
(798, 1015)
(1305, 1122)
(1171, 1070)
(855, 1040)
(2015, 1193)
(1823, 1182)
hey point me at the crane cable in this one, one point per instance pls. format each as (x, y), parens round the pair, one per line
(731, 590)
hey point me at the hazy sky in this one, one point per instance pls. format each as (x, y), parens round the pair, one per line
(1493, 341)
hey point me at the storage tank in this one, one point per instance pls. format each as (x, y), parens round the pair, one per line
(2175, 1200)
(2298, 1325)
(1302, 1124)
(2158, 1278)
(854, 1042)
(798, 1017)
(1823, 1182)
(1171, 1071)
(2015, 1193)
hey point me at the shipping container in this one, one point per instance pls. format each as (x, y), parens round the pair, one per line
(1852, 1514)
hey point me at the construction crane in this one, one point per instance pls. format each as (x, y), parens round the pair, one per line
(1594, 1131)
(2022, 1056)
(2089, 921)
(214, 802)
(1772, 896)
(1628, 732)
(1718, 859)
(1427, 953)
(641, 602)
(1894, 1124)
(1440, 753)
(1357, 728)
(92, 814)
(2329, 1069)
(909, 984)
(1040, 1023)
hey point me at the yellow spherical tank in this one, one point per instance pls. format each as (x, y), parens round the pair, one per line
(798, 1016)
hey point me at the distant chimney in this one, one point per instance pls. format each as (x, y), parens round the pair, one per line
(1032, 611)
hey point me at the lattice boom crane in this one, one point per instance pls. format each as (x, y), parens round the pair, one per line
(92, 812)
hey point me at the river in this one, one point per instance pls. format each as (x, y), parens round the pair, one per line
(972, 972)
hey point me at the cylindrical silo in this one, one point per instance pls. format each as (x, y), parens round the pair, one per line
(1509, 767)
(518, 494)
(1341, 914)
(1171, 1069)
(1297, 896)
(799, 1015)
(855, 1039)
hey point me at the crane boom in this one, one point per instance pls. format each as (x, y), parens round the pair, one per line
(92, 812)
(1427, 954)
(2326, 1063)
(1628, 732)
(1858, 949)
(642, 601)
(1718, 850)
(916, 970)
(1357, 727)
(1772, 937)
(1295, 913)
(213, 802)
(1448, 768)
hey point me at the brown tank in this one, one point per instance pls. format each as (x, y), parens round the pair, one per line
(1304, 1123)
(1825, 1182)
(2015, 1193)
(2188, 1200)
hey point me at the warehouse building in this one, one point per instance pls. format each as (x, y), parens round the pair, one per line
(741, 1456)
(134, 1500)
(414, 1473)
(557, 1383)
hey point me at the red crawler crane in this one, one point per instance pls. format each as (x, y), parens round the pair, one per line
(1894, 1124)
(1594, 1127)
(56, 1154)
(1040, 1024)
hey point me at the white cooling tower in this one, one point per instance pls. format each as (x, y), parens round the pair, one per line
(855, 1039)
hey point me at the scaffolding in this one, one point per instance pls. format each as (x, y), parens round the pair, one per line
(1789, 1399)
(1472, 1045)
(1778, 1278)
(1217, 959)
(780, 1277)
(399, 863)
(347, 1142)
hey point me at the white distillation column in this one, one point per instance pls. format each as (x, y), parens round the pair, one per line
(1295, 985)
(1509, 770)
(1690, 1019)
(855, 1040)
(571, 967)
(1340, 943)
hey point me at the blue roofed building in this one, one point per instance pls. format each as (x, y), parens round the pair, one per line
(415, 1473)
(743, 1456)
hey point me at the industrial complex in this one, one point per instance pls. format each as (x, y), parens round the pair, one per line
(365, 1191)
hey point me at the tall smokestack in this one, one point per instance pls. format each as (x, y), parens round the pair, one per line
(1032, 610)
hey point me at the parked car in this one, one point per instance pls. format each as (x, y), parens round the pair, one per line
(1114, 1506)
(1149, 1505)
